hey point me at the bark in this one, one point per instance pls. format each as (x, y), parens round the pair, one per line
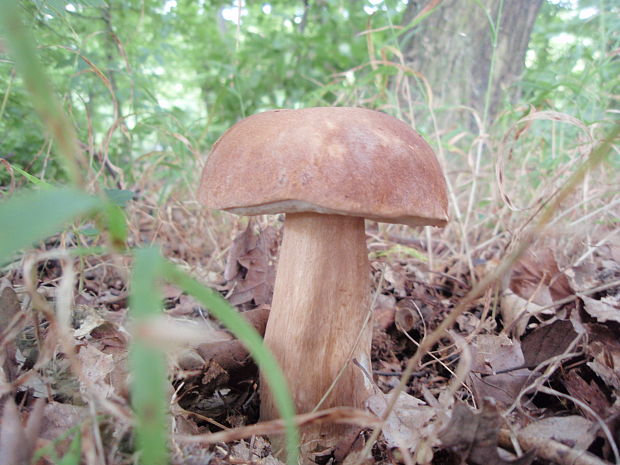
(453, 49)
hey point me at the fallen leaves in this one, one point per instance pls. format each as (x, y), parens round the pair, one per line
(553, 328)
(409, 424)
(251, 266)
(474, 436)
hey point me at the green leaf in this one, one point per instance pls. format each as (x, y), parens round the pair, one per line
(90, 231)
(148, 389)
(119, 196)
(35, 215)
(33, 179)
(74, 454)
(116, 224)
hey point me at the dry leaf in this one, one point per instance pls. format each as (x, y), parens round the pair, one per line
(588, 393)
(396, 276)
(536, 277)
(9, 303)
(547, 341)
(9, 308)
(583, 276)
(604, 348)
(97, 367)
(516, 312)
(606, 309)
(503, 388)
(573, 431)
(410, 422)
(474, 435)
(58, 418)
(252, 265)
(496, 353)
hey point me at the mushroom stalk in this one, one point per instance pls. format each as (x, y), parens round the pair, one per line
(320, 304)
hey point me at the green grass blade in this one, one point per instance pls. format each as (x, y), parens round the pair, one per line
(33, 179)
(74, 454)
(148, 369)
(116, 225)
(268, 365)
(35, 215)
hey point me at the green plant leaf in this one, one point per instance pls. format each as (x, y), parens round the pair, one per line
(35, 215)
(33, 179)
(119, 196)
(74, 454)
(116, 224)
(148, 389)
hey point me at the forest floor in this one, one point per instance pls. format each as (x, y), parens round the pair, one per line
(528, 373)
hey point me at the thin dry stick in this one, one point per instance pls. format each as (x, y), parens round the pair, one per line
(596, 157)
(344, 415)
(549, 449)
(601, 423)
(607, 206)
(592, 248)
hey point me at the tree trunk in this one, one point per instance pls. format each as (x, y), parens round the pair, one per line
(453, 49)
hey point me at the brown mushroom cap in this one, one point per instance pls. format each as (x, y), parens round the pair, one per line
(333, 160)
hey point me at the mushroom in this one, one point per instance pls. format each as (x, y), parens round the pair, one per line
(327, 169)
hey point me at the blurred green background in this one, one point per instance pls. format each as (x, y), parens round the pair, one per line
(152, 84)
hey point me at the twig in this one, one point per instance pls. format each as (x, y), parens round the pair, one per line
(549, 449)
(345, 415)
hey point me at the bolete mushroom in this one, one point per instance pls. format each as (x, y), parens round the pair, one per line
(327, 169)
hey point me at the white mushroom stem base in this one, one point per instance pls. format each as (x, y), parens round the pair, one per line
(320, 304)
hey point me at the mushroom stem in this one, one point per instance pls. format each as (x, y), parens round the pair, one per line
(320, 305)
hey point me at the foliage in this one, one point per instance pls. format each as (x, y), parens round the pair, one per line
(573, 63)
(197, 75)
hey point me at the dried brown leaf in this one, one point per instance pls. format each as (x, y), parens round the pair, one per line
(496, 353)
(536, 277)
(474, 435)
(9, 309)
(97, 367)
(573, 431)
(410, 422)
(588, 393)
(58, 418)
(252, 265)
(606, 309)
(9, 303)
(516, 312)
(547, 341)
(604, 348)
(503, 388)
